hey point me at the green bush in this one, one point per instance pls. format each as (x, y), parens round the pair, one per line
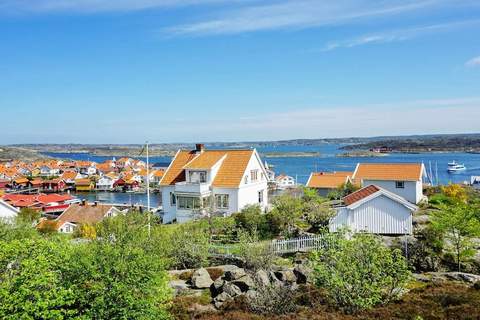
(360, 273)
(252, 220)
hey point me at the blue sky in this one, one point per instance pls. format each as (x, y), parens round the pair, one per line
(124, 71)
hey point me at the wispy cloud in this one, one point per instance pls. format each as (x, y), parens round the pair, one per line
(298, 14)
(399, 35)
(91, 6)
(474, 62)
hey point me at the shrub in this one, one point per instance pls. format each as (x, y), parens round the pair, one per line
(190, 247)
(255, 255)
(272, 299)
(360, 273)
(251, 220)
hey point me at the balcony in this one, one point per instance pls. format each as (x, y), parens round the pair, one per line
(192, 188)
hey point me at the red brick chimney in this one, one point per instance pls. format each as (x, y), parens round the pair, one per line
(199, 147)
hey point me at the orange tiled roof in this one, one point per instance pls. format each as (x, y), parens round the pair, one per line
(360, 194)
(69, 175)
(175, 172)
(388, 171)
(229, 175)
(328, 179)
(205, 160)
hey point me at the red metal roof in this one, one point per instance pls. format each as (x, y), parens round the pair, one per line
(360, 194)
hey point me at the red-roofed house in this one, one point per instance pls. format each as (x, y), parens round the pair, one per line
(373, 209)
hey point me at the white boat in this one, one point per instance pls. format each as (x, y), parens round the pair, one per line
(455, 167)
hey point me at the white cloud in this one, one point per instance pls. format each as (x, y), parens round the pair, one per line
(399, 35)
(90, 6)
(298, 14)
(474, 62)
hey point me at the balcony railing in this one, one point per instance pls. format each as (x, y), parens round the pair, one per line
(189, 187)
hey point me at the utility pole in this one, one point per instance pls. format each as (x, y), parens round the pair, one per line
(148, 193)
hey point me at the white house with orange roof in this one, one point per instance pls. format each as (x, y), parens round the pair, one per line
(325, 182)
(223, 180)
(403, 179)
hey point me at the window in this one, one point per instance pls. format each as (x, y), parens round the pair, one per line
(254, 175)
(189, 203)
(246, 179)
(173, 199)
(260, 196)
(198, 176)
(399, 184)
(221, 201)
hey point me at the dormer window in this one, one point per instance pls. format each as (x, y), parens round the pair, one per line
(198, 176)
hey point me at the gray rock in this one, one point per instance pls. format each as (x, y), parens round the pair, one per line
(201, 279)
(463, 277)
(178, 285)
(421, 277)
(221, 299)
(286, 276)
(261, 277)
(217, 287)
(302, 272)
(234, 274)
(231, 290)
(251, 295)
(244, 283)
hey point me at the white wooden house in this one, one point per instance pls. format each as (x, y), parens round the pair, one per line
(373, 209)
(105, 183)
(284, 182)
(201, 180)
(403, 179)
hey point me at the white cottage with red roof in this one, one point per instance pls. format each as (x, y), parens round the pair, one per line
(373, 209)
(199, 181)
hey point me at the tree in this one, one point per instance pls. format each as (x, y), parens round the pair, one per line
(360, 273)
(31, 282)
(252, 220)
(86, 231)
(285, 215)
(316, 211)
(459, 226)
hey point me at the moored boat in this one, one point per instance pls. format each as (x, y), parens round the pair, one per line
(455, 166)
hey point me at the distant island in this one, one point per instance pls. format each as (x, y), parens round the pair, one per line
(353, 146)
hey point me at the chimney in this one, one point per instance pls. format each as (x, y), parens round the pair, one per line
(199, 148)
(84, 202)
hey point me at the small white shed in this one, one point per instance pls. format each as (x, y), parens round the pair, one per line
(374, 210)
(7, 212)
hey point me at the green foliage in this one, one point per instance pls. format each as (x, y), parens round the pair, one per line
(120, 275)
(360, 273)
(459, 226)
(31, 280)
(316, 211)
(252, 220)
(286, 214)
(28, 215)
(255, 254)
(342, 191)
(189, 246)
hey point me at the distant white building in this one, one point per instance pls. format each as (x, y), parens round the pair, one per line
(283, 181)
(223, 180)
(403, 179)
(7, 212)
(475, 182)
(373, 209)
(105, 183)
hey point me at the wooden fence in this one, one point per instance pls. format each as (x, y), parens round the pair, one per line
(302, 244)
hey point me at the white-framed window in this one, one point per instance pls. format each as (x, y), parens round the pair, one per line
(222, 201)
(173, 199)
(254, 175)
(198, 176)
(400, 184)
(188, 203)
(260, 196)
(246, 179)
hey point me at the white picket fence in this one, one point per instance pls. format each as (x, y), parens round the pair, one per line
(302, 244)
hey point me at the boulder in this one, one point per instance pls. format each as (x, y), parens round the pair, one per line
(302, 272)
(262, 279)
(244, 283)
(231, 290)
(463, 277)
(286, 276)
(421, 277)
(221, 299)
(178, 286)
(234, 274)
(201, 279)
(251, 295)
(217, 287)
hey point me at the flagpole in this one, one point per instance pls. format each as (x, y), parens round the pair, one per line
(148, 192)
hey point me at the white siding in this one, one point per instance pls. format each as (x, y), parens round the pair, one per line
(412, 190)
(7, 212)
(380, 215)
(169, 211)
